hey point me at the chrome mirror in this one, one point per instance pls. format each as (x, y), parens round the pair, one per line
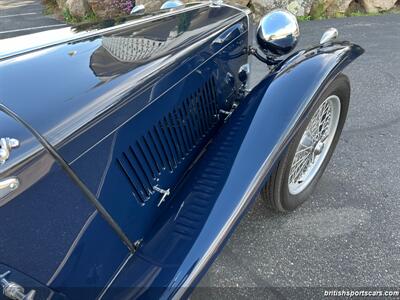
(172, 4)
(278, 32)
(138, 10)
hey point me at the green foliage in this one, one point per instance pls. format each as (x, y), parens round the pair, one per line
(50, 6)
(68, 17)
(303, 18)
(361, 14)
(88, 18)
(184, 22)
(339, 15)
(318, 11)
(49, 2)
(91, 17)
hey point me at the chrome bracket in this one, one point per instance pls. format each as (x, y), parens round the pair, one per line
(229, 113)
(8, 185)
(163, 192)
(226, 113)
(244, 76)
(14, 291)
(268, 60)
(244, 73)
(6, 145)
(138, 10)
(216, 3)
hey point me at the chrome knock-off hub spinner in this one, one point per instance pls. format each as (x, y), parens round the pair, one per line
(314, 145)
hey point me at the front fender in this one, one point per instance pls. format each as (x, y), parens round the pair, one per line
(287, 94)
(284, 98)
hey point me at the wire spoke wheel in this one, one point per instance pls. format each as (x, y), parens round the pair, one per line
(309, 151)
(314, 145)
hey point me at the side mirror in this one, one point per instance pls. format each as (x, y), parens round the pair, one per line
(278, 32)
(172, 4)
(138, 10)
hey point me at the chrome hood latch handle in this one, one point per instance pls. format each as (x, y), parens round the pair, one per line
(6, 145)
(8, 185)
(163, 192)
(13, 290)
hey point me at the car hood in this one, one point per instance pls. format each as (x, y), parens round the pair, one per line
(27, 43)
(60, 89)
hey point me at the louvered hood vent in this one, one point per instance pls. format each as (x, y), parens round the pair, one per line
(167, 143)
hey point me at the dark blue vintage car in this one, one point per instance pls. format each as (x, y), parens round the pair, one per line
(130, 149)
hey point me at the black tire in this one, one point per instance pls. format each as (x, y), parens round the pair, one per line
(276, 192)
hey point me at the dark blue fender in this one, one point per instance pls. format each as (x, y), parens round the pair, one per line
(228, 177)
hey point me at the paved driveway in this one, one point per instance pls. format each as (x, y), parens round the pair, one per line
(348, 234)
(19, 17)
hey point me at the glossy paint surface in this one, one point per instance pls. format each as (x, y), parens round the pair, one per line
(97, 127)
(96, 100)
(69, 87)
(156, 146)
(41, 291)
(218, 190)
(42, 218)
(25, 44)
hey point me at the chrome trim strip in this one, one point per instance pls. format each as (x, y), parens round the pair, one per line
(248, 195)
(122, 266)
(89, 34)
(72, 248)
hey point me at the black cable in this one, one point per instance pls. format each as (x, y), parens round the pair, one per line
(92, 199)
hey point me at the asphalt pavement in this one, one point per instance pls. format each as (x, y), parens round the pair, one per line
(348, 234)
(20, 17)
